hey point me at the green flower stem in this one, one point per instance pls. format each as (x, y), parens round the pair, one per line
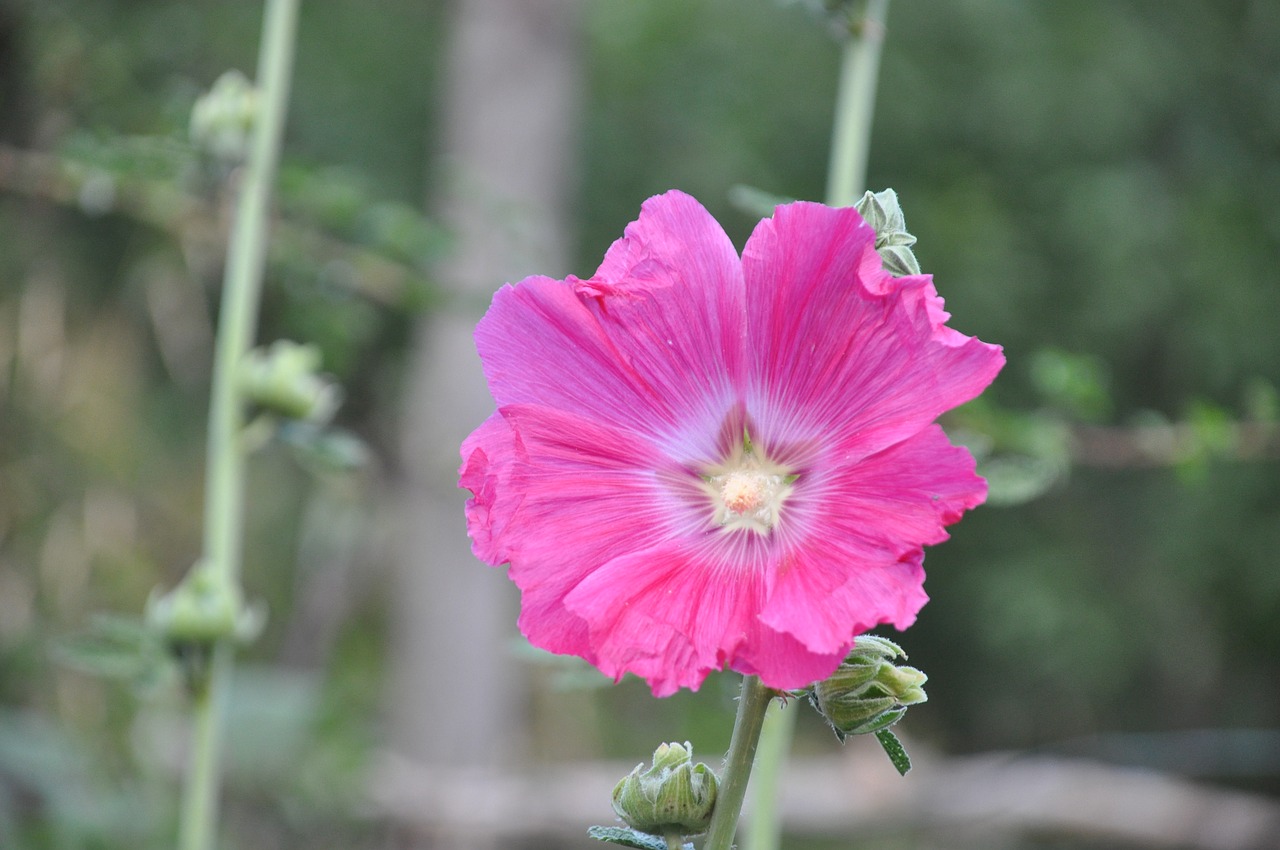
(200, 795)
(224, 489)
(752, 706)
(855, 102)
(242, 285)
(846, 181)
(764, 826)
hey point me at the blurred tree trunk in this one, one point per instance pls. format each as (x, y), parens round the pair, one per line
(509, 133)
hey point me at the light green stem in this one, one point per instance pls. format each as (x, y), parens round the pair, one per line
(846, 181)
(224, 487)
(242, 285)
(764, 826)
(855, 103)
(752, 705)
(197, 826)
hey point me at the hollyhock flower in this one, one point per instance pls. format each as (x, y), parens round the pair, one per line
(700, 461)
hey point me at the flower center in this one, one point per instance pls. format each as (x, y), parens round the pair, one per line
(743, 491)
(747, 491)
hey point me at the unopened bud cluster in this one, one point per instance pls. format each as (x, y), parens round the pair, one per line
(869, 691)
(222, 119)
(673, 797)
(882, 211)
(203, 608)
(284, 380)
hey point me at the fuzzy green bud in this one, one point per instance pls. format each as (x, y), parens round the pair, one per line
(869, 691)
(222, 119)
(284, 380)
(203, 608)
(882, 211)
(674, 796)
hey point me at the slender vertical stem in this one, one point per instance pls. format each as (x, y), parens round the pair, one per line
(846, 181)
(198, 823)
(224, 488)
(752, 705)
(764, 827)
(242, 285)
(855, 102)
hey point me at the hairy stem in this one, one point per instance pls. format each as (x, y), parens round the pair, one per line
(224, 487)
(752, 705)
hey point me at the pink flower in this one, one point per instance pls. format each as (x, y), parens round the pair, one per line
(700, 461)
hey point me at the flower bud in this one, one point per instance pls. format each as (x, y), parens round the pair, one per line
(674, 796)
(283, 380)
(868, 692)
(222, 119)
(882, 211)
(201, 608)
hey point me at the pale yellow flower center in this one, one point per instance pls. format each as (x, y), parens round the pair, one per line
(744, 492)
(747, 491)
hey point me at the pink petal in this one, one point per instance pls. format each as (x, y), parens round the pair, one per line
(840, 350)
(904, 494)
(588, 488)
(782, 661)
(666, 616)
(557, 495)
(857, 560)
(671, 616)
(824, 601)
(653, 342)
(486, 471)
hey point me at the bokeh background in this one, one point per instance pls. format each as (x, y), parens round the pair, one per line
(1094, 185)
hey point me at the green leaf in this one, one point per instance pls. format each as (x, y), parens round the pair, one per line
(1018, 479)
(628, 837)
(324, 450)
(116, 647)
(894, 750)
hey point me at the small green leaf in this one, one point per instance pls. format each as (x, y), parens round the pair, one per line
(324, 450)
(1017, 479)
(628, 838)
(117, 648)
(894, 750)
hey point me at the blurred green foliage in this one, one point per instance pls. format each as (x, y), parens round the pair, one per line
(1092, 184)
